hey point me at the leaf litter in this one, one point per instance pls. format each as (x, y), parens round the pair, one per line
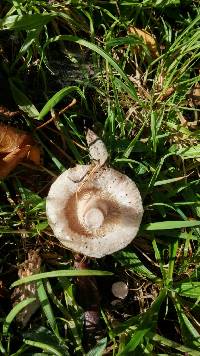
(148, 39)
(16, 146)
(29, 267)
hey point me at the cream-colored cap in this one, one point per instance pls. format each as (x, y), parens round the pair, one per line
(95, 217)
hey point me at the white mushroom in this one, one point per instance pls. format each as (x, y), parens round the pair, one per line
(120, 290)
(95, 217)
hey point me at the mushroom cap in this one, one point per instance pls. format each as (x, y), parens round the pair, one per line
(120, 290)
(94, 215)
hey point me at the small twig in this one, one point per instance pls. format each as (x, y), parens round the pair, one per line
(55, 115)
(73, 102)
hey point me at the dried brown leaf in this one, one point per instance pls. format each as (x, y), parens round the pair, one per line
(29, 267)
(147, 38)
(15, 146)
(195, 94)
(166, 94)
(7, 113)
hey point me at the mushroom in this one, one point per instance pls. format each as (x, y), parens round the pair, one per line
(120, 290)
(94, 212)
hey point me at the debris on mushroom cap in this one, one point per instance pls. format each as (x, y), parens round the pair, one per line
(97, 217)
(97, 148)
(120, 290)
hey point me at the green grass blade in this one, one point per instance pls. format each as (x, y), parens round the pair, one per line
(158, 169)
(135, 340)
(159, 259)
(44, 347)
(46, 307)
(168, 225)
(61, 273)
(15, 310)
(128, 40)
(46, 339)
(189, 152)
(190, 335)
(130, 261)
(154, 130)
(161, 340)
(187, 289)
(173, 247)
(99, 348)
(57, 98)
(26, 22)
(168, 181)
(121, 86)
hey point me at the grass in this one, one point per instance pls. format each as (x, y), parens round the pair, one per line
(143, 106)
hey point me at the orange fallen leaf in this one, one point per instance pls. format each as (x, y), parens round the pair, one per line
(147, 38)
(15, 146)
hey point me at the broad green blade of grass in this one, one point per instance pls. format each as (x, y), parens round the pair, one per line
(74, 315)
(56, 301)
(189, 152)
(122, 87)
(136, 339)
(99, 349)
(46, 340)
(130, 261)
(168, 181)
(57, 98)
(168, 225)
(128, 40)
(187, 289)
(173, 247)
(15, 310)
(159, 259)
(141, 168)
(45, 347)
(131, 323)
(46, 307)
(154, 130)
(3, 351)
(25, 21)
(189, 333)
(61, 273)
(161, 340)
